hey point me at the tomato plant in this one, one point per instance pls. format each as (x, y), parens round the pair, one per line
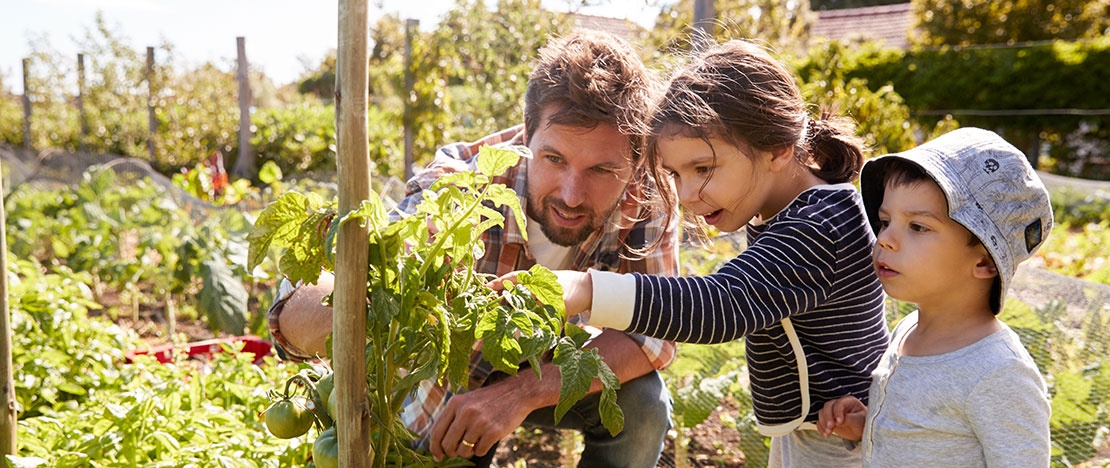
(427, 308)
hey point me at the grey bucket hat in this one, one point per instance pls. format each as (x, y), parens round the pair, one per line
(991, 190)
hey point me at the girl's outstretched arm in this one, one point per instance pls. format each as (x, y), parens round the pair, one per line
(578, 289)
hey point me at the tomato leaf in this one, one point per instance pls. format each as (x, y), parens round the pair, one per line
(494, 161)
(578, 367)
(544, 284)
(501, 195)
(278, 224)
(499, 345)
(222, 299)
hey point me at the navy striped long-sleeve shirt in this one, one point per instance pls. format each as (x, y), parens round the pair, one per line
(810, 263)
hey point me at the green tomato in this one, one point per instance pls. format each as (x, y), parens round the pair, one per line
(323, 389)
(325, 451)
(333, 405)
(288, 418)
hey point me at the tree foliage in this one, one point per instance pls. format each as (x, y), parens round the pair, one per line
(780, 24)
(968, 22)
(487, 56)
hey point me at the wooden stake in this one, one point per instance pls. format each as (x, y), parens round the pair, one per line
(352, 246)
(7, 392)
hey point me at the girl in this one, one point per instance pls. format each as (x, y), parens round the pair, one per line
(732, 134)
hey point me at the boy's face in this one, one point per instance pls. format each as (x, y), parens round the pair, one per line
(921, 255)
(576, 178)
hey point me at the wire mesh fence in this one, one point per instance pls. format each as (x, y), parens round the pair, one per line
(1064, 322)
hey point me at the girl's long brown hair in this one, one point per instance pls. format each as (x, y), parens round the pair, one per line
(737, 92)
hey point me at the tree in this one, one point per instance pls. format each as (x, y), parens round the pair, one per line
(967, 22)
(487, 58)
(781, 24)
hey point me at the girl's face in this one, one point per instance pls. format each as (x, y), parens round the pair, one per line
(720, 182)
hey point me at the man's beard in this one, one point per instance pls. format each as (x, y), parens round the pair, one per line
(565, 237)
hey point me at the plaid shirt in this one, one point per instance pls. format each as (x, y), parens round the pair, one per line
(507, 251)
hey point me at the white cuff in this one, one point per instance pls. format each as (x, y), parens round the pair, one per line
(614, 299)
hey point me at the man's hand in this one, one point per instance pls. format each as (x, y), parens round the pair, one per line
(578, 289)
(844, 416)
(472, 422)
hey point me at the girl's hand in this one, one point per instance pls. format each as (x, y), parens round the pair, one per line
(578, 289)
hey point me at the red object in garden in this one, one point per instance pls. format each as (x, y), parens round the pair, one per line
(204, 349)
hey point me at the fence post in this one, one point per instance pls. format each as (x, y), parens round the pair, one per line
(703, 23)
(81, 102)
(27, 103)
(352, 249)
(7, 393)
(152, 123)
(410, 25)
(244, 164)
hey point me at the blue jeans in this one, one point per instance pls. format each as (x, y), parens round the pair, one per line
(647, 418)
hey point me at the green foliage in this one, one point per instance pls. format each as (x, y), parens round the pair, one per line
(961, 23)
(197, 113)
(1073, 357)
(79, 404)
(1079, 250)
(427, 306)
(127, 234)
(1077, 207)
(937, 83)
(11, 116)
(780, 24)
(881, 115)
(298, 138)
(320, 82)
(487, 56)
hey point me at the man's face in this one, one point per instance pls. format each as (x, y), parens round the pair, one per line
(576, 178)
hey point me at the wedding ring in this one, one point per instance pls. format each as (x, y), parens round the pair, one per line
(467, 444)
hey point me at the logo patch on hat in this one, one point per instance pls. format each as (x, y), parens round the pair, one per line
(990, 165)
(1033, 235)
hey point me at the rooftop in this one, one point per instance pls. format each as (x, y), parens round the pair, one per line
(616, 26)
(889, 24)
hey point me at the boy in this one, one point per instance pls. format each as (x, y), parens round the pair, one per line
(953, 218)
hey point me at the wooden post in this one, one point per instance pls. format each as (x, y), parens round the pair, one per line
(352, 247)
(7, 393)
(244, 164)
(27, 103)
(704, 17)
(152, 124)
(81, 102)
(410, 26)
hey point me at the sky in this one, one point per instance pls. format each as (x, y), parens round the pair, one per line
(281, 36)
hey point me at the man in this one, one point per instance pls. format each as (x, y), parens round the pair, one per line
(582, 197)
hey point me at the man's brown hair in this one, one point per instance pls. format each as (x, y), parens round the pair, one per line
(588, 78)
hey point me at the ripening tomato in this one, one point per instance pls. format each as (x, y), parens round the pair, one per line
(288, 418)
(325, 451)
